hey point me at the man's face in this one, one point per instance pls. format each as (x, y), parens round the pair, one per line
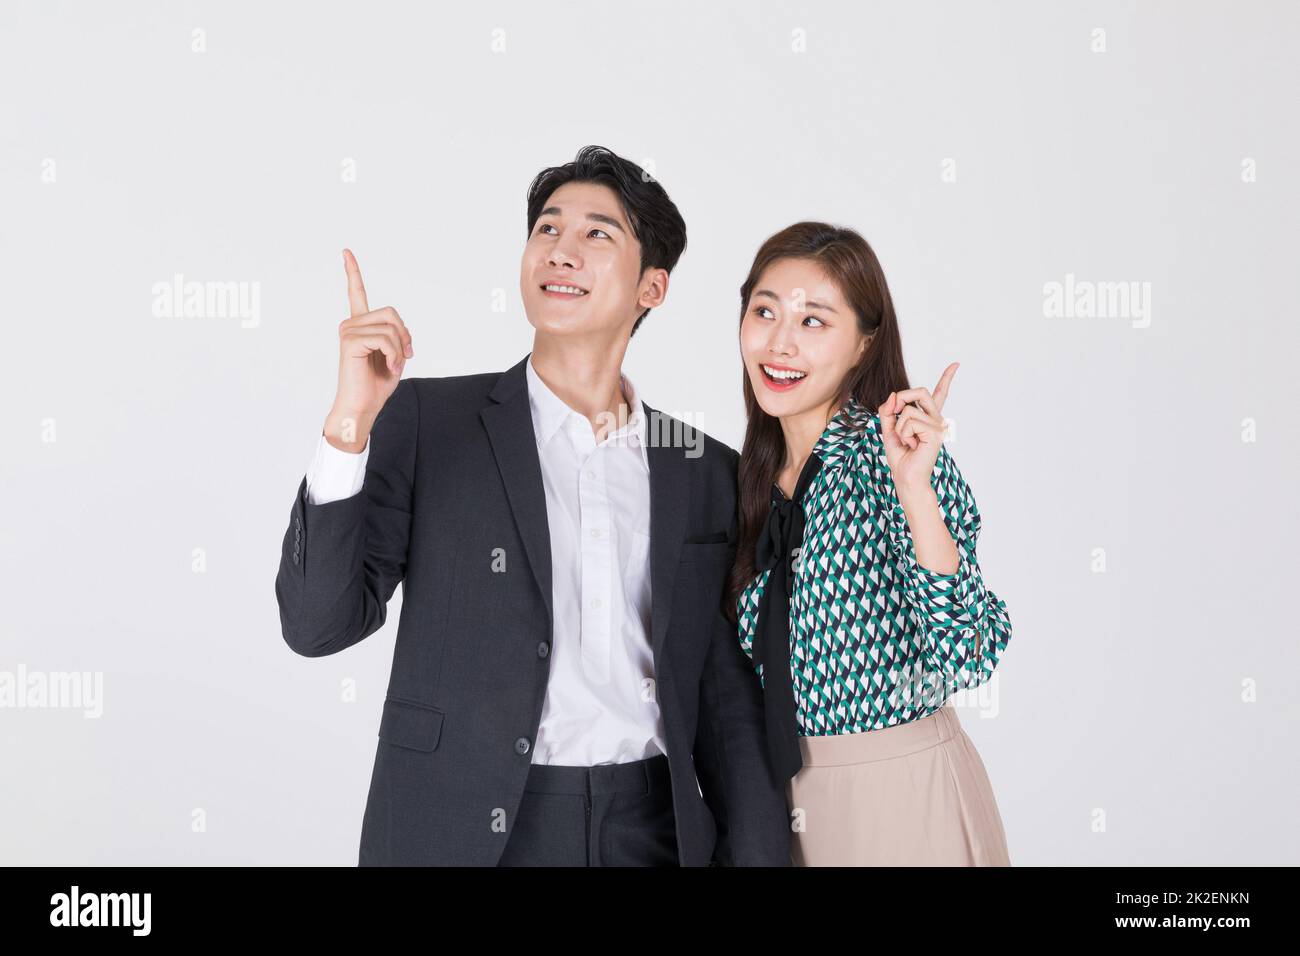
(582, 241)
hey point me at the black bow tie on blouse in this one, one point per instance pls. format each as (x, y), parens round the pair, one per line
(782, 533)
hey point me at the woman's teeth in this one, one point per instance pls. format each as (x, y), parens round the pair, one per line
(782, 375)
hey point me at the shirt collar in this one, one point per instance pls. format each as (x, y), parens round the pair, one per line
(843, 433)
(550, 413)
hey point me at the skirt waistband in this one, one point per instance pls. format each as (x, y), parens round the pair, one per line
(869, 745)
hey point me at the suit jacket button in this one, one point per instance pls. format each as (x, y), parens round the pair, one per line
(522, 745)
(543, 649)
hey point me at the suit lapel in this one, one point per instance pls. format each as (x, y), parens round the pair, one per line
(670, 489)
(509, 424)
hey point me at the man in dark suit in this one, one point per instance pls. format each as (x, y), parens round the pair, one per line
(567, 685)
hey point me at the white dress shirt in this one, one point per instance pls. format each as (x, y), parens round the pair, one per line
(601, 703)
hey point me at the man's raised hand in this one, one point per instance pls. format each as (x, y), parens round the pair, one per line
(373, 349)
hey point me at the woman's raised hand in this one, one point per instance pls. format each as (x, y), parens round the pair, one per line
(911, 427)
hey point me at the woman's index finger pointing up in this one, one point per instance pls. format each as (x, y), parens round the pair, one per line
(940, 392)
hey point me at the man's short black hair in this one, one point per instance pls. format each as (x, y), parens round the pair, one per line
(655, 221)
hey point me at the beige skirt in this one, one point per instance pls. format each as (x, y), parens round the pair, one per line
(914, 794)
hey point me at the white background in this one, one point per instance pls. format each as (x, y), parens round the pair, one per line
(1119, 733)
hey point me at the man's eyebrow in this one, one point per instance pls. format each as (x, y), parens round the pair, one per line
(808, 304)
(594, 216)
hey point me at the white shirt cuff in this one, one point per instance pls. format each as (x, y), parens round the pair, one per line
(335, 474)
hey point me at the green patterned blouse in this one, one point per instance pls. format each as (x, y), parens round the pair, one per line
(876, 639)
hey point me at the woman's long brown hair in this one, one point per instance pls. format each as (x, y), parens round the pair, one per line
(850, 262)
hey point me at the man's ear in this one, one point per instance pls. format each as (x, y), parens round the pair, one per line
(654, 288)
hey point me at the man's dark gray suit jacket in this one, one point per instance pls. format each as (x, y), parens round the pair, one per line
(453, 476)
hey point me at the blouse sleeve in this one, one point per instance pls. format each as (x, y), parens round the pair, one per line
(966, 626)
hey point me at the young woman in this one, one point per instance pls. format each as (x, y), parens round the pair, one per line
(857, 590)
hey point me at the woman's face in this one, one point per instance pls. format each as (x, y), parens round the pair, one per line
(799, 338)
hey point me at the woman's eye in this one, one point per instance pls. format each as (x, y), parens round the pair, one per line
(759, 310)
(544, 226)
(813, 318)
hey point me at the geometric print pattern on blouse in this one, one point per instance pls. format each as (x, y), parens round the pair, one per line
(875, 638)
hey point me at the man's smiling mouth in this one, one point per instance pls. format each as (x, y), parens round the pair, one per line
(564, 291)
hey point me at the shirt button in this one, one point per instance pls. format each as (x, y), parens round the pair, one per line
(595, 532)
(522, 745)
(590, 473)
(595, 602)
(543, 649)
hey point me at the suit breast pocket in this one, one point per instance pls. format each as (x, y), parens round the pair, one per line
(710, 537)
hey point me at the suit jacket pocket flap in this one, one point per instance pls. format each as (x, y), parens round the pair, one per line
(412, 725)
